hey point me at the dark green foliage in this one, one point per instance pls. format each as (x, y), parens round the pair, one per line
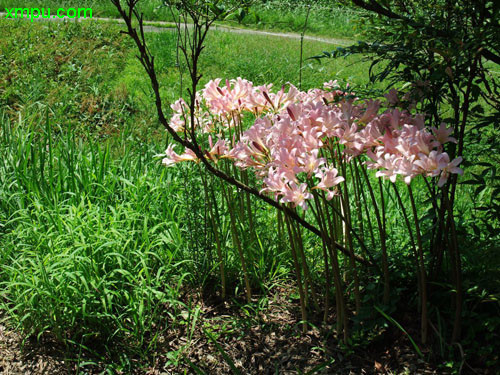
(444, 57)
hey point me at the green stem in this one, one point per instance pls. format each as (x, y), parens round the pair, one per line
(423, 276)
(237, 243)
(385, 262)
(303, 309)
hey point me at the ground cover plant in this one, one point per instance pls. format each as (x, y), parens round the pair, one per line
(131, 266)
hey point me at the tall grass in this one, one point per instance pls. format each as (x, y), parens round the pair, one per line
(100, 243)
(91, 241)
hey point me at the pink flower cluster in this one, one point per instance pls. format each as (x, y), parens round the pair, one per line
(298, 139)
(406, 148)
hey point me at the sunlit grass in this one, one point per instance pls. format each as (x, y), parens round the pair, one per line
(325, 19)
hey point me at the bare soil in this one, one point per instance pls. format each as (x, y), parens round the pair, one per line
(267, 341)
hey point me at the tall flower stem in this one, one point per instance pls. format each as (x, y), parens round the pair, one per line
(412, 238)
(357, 201)
(307, 274)
(423, 276)
(456, 267)
(214, 213)
(236, 241)
(279, 225)
(342, 318)
(365, 205)
(348, 222)
(319, 215)
(385, 262)
(298, 274)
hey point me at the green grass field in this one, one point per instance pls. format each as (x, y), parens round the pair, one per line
(261, 59)
(325, 18)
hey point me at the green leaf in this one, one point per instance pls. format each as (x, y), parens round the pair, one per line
(417, 349)
(226, 357)
(195, 368)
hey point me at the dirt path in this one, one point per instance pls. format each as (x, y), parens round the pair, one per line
(160, 26)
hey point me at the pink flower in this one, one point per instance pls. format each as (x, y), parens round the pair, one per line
(172, 157)
(450, 168)
(385, 163)
(274, 182)
(348, 136)
(331, 85)
(431, 165)
(287, 162)
(328, 179)
(227, 99)
(177, 122)
(311, 162)
(392, 97)
(217, 149)
(279, 100)
(297, 195)
(296, 134)
(372, 107)
(442, 135)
